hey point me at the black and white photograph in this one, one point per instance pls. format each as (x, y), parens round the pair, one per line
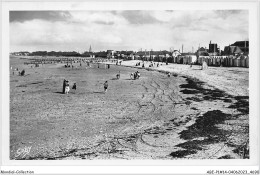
(139, 84)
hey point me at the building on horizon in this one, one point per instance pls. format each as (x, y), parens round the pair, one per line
(202, 51)
(176, 53)
(22, 53)
(243, 45)
(238, 48)
(213, 49)
(232, 50)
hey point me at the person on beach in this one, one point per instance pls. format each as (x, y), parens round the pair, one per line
(108, 66)
(74, 86)
(118, 75)
(105, 86)
(137, 75)
(63, 86)
(23, 72)
(67, 87)
(131, 76)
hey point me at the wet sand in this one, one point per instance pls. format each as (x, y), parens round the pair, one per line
(154, 117)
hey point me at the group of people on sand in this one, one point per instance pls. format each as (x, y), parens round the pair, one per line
(135, 75)
(66, 87)
(119, 63)
(20, 73)
(151, 64)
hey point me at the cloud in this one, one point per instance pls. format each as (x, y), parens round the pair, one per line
(164, 16)
(21, 16)
(110, 39)
(226, 13)
(99, 17)
(126, 30)
(139, 17)
(105, 23)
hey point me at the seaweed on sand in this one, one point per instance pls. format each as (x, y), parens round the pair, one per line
(242, 104)
(204, 126)
(195, 86)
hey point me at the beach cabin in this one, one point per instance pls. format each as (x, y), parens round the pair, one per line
(218, 61)
(210, 61)
(187, 58)
(174, 59)
(130, 55)
(180, 59)
(242, 61)
(247, 61)
(137, 57)
(203, 58)
(231, 60)
(206, 59)
(192, 59)
(200, 58)
(236, 62)
(175, 55)
(223, 60)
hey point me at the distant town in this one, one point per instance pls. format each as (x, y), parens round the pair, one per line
(238, 50)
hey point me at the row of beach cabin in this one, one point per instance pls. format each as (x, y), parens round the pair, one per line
(52, 60)
(226, 61)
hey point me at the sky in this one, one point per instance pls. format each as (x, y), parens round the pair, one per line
(125, 30)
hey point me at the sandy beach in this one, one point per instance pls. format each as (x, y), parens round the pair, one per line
(224, 78)
(194, 114)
